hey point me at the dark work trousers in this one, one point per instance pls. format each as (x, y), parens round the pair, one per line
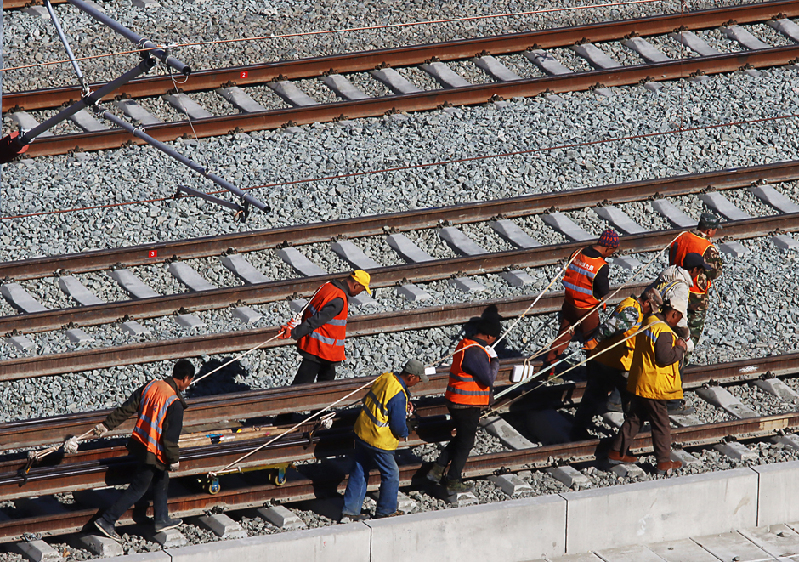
(568, 316)
(639, 411)
(311, 371)
(146, 476)
(456, 452)
(601, 381)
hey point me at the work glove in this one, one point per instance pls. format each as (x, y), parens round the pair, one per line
(284, 333)
(99, 430)
(492, 353)
(173, 466)
(590, 344)
(689, 346)
(413, 424)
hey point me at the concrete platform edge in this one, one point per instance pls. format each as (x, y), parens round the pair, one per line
(530, 528)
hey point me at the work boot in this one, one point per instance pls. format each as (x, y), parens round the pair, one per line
(350, 518)
(679, 408)
(666, 467)
(458, 485)
(167, 524)
(384, 515)
(436, 473)
(108, 529)
(614, 401)
(615, 457)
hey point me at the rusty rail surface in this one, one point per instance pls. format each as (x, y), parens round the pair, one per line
(389, 276)
(365, 61)
(238, 494)
(374, 225)
(422, 101)
(17, 4)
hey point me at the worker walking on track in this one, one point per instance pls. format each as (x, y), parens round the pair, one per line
(378, 429)
(585, 283)
(321, 332)
(154, 443)
(610, 361)
(698, 242)
(676, 282)
(471, 381)
(654, 379)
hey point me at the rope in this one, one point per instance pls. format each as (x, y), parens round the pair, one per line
(343, 30)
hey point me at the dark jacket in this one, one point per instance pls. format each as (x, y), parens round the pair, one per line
(170, 431)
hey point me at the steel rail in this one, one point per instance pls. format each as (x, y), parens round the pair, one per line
(234, 495)
(17, 4)
(374, 225)
(210, 410)
(389, 276)
(365, 61)
(422, 101)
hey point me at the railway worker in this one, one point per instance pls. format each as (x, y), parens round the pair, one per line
(676, 282)
(320, 335)
(378, 429)
(585, 283)
(699, 242)
(471, 381)
(154, 443)
(654, 379)
(609, 366)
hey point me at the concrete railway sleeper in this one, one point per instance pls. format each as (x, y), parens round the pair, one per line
(456, 90)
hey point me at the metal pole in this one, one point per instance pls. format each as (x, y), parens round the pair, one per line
(64, 40)
(211, 198)
(144, 66)
(136, 132)
(143, 43)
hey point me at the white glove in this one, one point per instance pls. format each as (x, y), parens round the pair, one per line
(294, 322)
(173, 466)
(689, 346)
(492, 353)
(99, 430)
(71, 445)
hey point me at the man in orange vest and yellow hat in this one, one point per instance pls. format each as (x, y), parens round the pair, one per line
(154, 443)
(321, 332)
(698, 242)
(585, 284)
(471, 381)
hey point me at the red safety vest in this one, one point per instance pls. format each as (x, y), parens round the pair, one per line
(462, 388)
(690, 243)
(578, 282)
(327, 341)
(156, 398)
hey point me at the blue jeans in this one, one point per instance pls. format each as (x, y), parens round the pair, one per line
(364, 459)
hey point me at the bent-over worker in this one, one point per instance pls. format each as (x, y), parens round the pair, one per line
(378, 429)
(154, 442)
(320, 334)
(471, 382)
(585, 284)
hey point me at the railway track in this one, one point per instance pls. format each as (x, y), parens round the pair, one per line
(99, 467)
(257, 291)
(401, 95)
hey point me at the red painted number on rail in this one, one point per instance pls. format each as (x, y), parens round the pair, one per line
(152, 254)
(244, 74)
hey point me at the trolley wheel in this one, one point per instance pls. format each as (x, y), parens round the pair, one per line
(212, 486)
(278, 477)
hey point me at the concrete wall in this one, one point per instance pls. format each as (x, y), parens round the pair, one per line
(526, 529)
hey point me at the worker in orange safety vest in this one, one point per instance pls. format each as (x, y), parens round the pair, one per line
(154, 443)
(585, 284)
(321, 332)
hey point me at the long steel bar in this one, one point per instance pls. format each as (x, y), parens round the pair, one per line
(410, 220)
(65, 41)
(304, 488)
(417, 54)
(132, 36)
(260, 403)
(424, 101)
(383, 277)
(169, 151)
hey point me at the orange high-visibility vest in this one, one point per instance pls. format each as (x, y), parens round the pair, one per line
(462, 388)
(327, 341)
(579, 280)
(690, 243)
(156, 398)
